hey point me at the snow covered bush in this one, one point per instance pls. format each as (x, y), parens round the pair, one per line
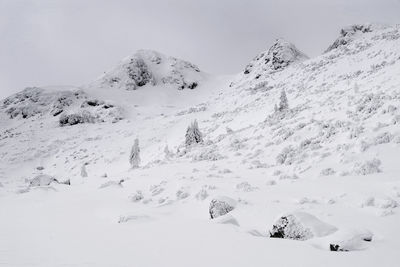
(208, 154)
(327, 172)
(134, 157)
(245, 187)
(76, 118)
(193, 134)
(383, 138)
(368, 167)
(137, 196)
(286, 156)
(221, 206)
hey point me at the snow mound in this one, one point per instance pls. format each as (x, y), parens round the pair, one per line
(220, 206)
(300, 226)
(226, 219)
(147, 67)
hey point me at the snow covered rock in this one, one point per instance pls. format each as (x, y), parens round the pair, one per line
(42, 180)
(348, 240)
(34, 101)
(148, 67)
(70, 106)
(220, 206)
(300, 226)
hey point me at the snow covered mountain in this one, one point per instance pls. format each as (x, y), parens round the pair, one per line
(291, 148)
(148, 67)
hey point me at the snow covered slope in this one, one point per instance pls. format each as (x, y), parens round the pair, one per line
(320, 170)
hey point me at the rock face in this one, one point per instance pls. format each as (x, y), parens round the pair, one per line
(300, 226)
(279, 56)
(151, 68)
(221, 206)
(347, 35)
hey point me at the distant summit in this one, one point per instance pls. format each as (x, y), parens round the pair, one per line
(151, 68)
(278, 57)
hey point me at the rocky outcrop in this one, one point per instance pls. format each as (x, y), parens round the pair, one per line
(278, 57)
(348, 34)
(151, 68)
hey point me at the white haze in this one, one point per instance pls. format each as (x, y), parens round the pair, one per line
(71, 42)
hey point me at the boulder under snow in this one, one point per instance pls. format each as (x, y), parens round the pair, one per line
(42, 180)
(300, 226)
(69, 106)
(349, 240)
(220, 206)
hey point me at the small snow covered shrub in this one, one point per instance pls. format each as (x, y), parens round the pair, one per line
(245, 187)
(221, 206)
(286, 156)
(327, 172)
(76, 118)
(368, 167)
(202, 194)
(137, 196)
(208, 154)
(383, 138)
(134, 157)
(193, 134)
(182, 193)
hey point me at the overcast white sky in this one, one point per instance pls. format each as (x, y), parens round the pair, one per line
(71, 42)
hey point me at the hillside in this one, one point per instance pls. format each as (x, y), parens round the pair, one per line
(331, 152)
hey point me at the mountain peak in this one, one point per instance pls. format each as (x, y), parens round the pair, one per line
(280, 55)
(349, 33)
(151, 68)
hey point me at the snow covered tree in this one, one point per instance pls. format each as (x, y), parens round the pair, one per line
(167, 152)
(193, 134)
(83, 171)
(134, 157)
(283, 104)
